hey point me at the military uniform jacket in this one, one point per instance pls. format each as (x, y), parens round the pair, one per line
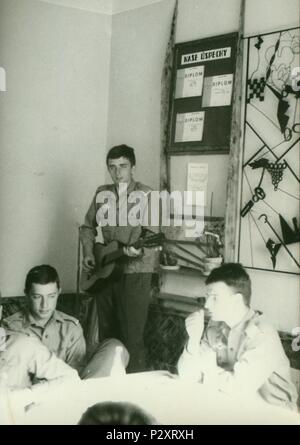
(124, 234)
(62, 335)
(25, 357)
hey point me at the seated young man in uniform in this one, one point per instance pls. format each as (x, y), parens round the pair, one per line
(59, 332)
(23, 357)
(239, 351)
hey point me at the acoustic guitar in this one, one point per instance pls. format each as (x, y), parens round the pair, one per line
(107, 257)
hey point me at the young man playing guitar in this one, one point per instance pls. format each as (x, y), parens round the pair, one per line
(124, 296)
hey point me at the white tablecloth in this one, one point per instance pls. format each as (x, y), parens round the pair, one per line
(170, 401)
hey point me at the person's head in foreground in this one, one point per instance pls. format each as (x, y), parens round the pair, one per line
(228, 292)
(42, 287)
(116, 413)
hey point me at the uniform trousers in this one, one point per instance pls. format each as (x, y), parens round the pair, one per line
(122, 307)
(110, 358)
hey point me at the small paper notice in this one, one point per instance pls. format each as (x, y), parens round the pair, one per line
(189, 82)
(189, 126)
(197, 177)
(217, 91)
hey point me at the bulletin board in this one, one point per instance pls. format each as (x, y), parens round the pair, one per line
(269, 237)
(202, 91)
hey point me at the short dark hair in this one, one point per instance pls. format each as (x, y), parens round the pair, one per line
(121, 150)
(116, 413)
(43, 274)
(234, 275)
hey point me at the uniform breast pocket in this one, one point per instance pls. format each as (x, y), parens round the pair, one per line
(62, 345)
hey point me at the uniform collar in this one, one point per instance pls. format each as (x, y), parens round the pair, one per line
(29, 320)
(130, 188)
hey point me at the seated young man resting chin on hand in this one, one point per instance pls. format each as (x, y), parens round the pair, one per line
(238, 351)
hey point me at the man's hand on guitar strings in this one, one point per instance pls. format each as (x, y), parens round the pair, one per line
(89, 263)
(132, 252)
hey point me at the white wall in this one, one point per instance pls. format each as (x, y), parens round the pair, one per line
(53, 123)
(198, 19)
(139, 39)
(271, 15)
(125, 5)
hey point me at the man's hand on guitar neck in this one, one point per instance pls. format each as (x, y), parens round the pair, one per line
(89, 263)
(132, 252)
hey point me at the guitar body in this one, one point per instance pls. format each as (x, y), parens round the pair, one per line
(102, 270)
(107, 261)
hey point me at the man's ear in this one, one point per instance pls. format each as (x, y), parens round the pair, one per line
(59, 291)
(239, 297)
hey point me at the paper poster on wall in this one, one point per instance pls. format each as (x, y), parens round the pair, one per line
(217, 90)
(206, 56)
(189, 126)
(189, 82)
(197, 177)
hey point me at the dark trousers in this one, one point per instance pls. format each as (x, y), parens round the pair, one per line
(122, 308)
